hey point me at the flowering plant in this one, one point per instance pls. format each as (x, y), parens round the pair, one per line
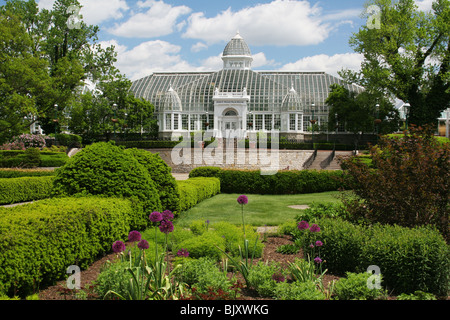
(149, 280)
(244, 264)
(31, 140)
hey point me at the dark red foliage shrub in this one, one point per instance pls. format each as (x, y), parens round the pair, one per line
(410, 185)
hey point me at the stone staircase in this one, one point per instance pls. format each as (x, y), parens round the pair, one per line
(320, 162)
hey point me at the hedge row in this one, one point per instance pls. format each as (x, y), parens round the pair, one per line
(14, 190)
(409, 259)
(283, 182)
(39, 241)
(18, 173)
(195, 190)
(18, 158)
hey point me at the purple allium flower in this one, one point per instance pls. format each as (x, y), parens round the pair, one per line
(155, 216)
(167, 215)
(166, 226)
(319, 243)
(278, 277)
(118, 246)
(317, 260)
(302, 225)
(242, 199)
(314, 228)
(183, 253)
(143, 244)
(134, 236)
(311, 245)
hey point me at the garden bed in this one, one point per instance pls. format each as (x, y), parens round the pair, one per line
(59, 291)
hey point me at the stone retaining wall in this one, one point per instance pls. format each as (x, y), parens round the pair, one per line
(252, 160)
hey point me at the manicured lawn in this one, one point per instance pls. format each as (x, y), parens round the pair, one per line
(261, 210)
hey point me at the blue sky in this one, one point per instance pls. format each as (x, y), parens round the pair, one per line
(175, 35)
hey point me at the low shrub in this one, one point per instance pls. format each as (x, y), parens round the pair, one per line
(203, 275)
(105, 169)
(263, 277)
(23, 159)
(15, 190)
(40, 240)
(354, 287)
(161, 174)
(208, 244)
(32, 158)
(195, 190)
(409, 259)
(283, 182)
(298, 291)
(69, 140)
(18, 173)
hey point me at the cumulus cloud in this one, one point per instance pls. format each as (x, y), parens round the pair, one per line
(158, 19)
(326, 63)
(149, 57)
(277, 23)
(424, 5)
(95, 12)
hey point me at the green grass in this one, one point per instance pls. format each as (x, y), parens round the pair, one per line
(261, 210)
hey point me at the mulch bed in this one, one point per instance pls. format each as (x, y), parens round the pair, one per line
(60, 292)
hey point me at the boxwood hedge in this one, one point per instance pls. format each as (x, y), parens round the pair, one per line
(39, 241)
(195, 190)
(283, 182)
(409, 259)
(105, 169)
(14, 190)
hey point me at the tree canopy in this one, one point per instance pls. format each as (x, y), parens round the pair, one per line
(407, 56)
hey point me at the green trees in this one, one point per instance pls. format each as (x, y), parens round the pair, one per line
(358, 112)
(407, 57)
(45, 64)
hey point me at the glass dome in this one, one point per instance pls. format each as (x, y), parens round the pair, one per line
(172, 101)
(292, 102)
(237, 47)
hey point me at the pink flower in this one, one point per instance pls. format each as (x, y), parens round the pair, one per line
(134, 236)
(143, 244)
(118, 246)
(243, 199)
(302, 225)
(155, 216)
(314, 228)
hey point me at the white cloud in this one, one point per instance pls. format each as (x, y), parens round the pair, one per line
(199, 46)
(95, 12)
(328, 64)
(424, 5)
(280, 22)
(149, 57)
(159, 20)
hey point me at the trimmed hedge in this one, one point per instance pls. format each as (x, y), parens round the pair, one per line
(283, 182)
(195, 190)
(409, 259)
(18, 173)
(105, 169)
(18, 158)
(39, 241)
(14, 190)
(161, 174)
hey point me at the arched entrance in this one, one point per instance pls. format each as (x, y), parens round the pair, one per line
(231, 120)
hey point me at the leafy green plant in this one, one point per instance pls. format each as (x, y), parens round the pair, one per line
(263, 277)
(417, 295)
(204, 275)
(298, 291)
(354, 287)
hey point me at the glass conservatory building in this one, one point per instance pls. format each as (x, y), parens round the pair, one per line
(238, 98)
